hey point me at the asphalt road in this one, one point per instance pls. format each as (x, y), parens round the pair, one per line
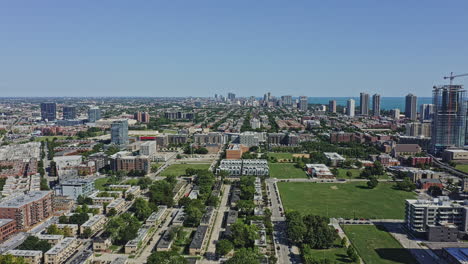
(282, 248)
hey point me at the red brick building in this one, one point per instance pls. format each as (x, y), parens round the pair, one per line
(27, 209)
(7, 228)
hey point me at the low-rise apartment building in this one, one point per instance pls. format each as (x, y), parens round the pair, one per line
(29, 256)
(420, 214)
(256, 167)
(95, 224)
(117, 204)
(61, 251)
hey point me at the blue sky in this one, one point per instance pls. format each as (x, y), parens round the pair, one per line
(198, 48)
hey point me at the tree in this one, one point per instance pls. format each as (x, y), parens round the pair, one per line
(63, 219)
(372, 183)
(79, 218)
(435, 191)
(67, 232)
(111, 212)
(54, 230)
(243, 235)
(166, 257)
(351, 252)
(144, 182)
(193, 215)
(87, 232)
(224, 246)
(141, 208)
(10, 259)
(44, 184)
(406, 185)
(246, 206)
(344, 242)
(130, 197)
(349, 174)
(34, 243)
(243, 256)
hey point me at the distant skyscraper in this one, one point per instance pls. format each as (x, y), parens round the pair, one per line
(303, 103)
(287, 100)
(376, 105)
(94, 114)
(69, 112)
(449, 121)
(142, 117)
(364, 104)
(411, 103)
(396, 114)
(49, 111)
(231, 96)
(119, 132)
(426, 112)
(332, 106)
(350, 107)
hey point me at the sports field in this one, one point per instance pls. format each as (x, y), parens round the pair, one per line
(375, 245)
(179, 169)
(286, 171)
(346, 200)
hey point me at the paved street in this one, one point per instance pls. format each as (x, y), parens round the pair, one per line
(217, 226)
(282, 249)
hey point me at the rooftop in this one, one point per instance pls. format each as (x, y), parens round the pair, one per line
(15, 201)
(199, 236)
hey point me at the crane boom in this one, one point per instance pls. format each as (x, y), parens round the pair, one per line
(451, 77)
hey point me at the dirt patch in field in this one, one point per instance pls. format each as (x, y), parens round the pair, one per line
(334, 187)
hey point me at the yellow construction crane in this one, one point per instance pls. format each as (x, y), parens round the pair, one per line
(451, 77)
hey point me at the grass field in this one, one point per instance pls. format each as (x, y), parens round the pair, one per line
(280, 155)
(356, 174)
(342, 173)
(285, 171)
(462, 167)
(179, 169)
(44, 138)
(375, 245)
(336, 254)
(99, 183)
(346, 200)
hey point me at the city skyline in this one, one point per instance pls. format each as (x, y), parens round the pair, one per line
(168, 49)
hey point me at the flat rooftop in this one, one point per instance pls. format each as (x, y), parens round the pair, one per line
(15, 201)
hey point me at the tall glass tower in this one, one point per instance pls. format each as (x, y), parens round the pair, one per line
(449, 121)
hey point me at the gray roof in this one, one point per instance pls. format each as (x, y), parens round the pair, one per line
(20, 200)
(199, 236)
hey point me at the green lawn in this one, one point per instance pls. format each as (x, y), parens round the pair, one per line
(342, 173)
(346, 200)
(286, 171)
(131, 182)
(375, 245)
(44, 138)
(99, 184)
(179, 169)
(280, 155)
(337, 254)
(462, 167)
